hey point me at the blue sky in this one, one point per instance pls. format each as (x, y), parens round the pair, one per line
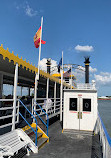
(67, 24)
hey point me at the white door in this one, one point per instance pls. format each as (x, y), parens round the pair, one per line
(86, 113)
(72, 113)
(80, 113)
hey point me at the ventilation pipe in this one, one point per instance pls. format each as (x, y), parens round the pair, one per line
(87, 69)
(48, 65)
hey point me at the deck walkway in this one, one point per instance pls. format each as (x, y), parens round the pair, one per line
(67, 145)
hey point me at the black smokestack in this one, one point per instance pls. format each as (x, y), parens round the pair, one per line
(48, 65)
(87, 69)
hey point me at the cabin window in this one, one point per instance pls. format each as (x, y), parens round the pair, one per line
(73, 104)
(87, 105)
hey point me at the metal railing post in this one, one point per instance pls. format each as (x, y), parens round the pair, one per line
(61, 94)
(15, 96)
(71, 76)
(18, 104)
(54, 96)
(35, 92)
(47, 95)
(105, 139)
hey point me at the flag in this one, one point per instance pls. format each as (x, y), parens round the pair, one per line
(60, 63)
(67, 73)
(37, 38)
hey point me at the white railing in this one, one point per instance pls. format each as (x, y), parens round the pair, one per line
(105, 139)
(6, 112)
(50, 105)
(90, 86)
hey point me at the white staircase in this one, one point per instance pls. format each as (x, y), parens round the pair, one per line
(12, 142)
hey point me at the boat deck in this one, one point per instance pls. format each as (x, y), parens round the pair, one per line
(68, 145)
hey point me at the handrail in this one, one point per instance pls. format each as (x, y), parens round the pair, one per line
(6, 99)
(40, 117)
(7, 108)
(6, 112)
(28, 123)
(47, 125)
(105, 131)
(52, 102)
(88, 86)
(8, 116)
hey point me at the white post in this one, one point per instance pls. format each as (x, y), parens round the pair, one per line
(1, 85)
(35, 95)
(32, 107)
(35, 90)
(47, 88)
(18, 111)
(71, 76)
(47, 95)
(61, 95)
(54, 96)
(15, 96)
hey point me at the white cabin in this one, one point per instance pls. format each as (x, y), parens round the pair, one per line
(80, 109)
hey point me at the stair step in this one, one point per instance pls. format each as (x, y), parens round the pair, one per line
(30, 132)
(32, 136)
(41, 142)
(39, 135)
(72, 131)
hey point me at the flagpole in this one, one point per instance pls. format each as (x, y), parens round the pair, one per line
(71, 76)
(40, 48)
(61, 89)
(37, 74)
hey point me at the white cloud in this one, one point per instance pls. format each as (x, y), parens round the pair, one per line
(84, 48)
(104, 78)
(92, 70)
(17, 7)
(43, 65)
(80, 73)
(105, 73)
(81, 68)
(30, 12)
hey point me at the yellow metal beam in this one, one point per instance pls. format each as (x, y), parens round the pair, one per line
(27, 65)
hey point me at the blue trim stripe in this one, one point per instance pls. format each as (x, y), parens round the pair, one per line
(105, 131)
